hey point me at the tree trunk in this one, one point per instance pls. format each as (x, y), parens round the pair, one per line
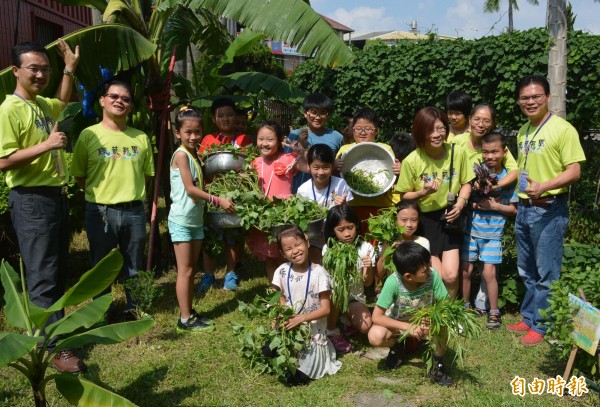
(510, 17)
(557, 56)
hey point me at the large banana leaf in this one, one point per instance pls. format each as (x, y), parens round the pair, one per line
(80, 392)
(107, 335)
(15, 346)
(201, 28)
(92, 283)
(83, 317)
(112, 46)
(99, 4)
(14, 308)
(253, 82)
(292, 21)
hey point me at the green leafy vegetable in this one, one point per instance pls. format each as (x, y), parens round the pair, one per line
(265, 342)
(447, 319)
(364, 181)
(340, 261)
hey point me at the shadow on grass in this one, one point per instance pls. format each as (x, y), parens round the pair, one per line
(142, 390)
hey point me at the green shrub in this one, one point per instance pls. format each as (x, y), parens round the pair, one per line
(581, 269)
(144, 291)
(398, 80)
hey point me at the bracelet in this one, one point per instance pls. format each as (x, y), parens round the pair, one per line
(464, 199)
(218, 201)
(68, 73)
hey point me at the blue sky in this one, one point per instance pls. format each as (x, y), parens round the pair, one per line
(464, 18)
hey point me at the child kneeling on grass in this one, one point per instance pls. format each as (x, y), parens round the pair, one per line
(414, 285)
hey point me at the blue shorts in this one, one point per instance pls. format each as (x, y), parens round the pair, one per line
(487, 250)
(180, 233)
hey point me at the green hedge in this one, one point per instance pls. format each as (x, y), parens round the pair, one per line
(398, 80)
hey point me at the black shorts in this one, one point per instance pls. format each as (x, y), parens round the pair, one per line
(440, 238)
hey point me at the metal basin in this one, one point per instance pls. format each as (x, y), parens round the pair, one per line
(224, 220)
(373, 159)
(224, 161)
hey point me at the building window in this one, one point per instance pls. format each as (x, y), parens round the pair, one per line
(46, 31)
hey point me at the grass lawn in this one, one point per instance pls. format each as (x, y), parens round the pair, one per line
(165, 368)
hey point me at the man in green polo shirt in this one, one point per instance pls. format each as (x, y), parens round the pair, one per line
(31, 153)
(113, 162)
(549, 160)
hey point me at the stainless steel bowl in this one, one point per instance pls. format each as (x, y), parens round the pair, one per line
(223, 161)
(224, 220)
(374, 159)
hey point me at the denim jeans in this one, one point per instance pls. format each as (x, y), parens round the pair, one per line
(40, 217)
(539, 233)
(108, 228)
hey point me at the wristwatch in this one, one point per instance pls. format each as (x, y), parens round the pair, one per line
(67, 72)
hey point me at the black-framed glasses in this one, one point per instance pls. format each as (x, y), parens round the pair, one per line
(314, 114)
(366, 130)
(114, 96)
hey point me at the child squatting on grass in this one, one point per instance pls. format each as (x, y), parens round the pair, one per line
(414, 285)
(342, 224)
(186, 216)
(306, 287)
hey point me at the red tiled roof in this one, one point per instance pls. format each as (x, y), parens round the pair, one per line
(336, 25)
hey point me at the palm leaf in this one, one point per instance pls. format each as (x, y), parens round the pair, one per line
(15, 346)
(107, 335)
(201, 28)
(83, 317)
(80, 392)
(98, 4)
(112, 46)
(292, 21)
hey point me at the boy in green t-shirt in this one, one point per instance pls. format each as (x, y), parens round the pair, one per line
(414, 285)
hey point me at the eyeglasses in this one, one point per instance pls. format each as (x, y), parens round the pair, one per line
(366, 130)
(36, 70)
(313, 114)
(114, 96)
(478, 120)
(440, 129)
(536, 98)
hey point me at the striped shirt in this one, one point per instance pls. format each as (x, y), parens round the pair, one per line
(490, 224)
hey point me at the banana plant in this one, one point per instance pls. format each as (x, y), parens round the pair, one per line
(27, 352)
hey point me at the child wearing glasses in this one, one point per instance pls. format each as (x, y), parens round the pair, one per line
(317, 108)
(365, 124)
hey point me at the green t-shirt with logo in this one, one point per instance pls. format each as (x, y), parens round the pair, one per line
(114, 163)
(24, 124)
(549, 151)
(418, 167)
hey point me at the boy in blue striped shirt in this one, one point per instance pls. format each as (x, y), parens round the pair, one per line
(483, 234)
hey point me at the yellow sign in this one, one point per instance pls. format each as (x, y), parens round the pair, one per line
(586, 324)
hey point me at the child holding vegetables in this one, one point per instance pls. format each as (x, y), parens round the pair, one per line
(326, 189)
(276, 171)
(414, 285)
(186, 216)
(306, 287)
(350, 260)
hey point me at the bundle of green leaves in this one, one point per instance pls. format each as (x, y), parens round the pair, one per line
(266, 330)
(451, 323)
(340, 261)
(363, 181)
(384, 229)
